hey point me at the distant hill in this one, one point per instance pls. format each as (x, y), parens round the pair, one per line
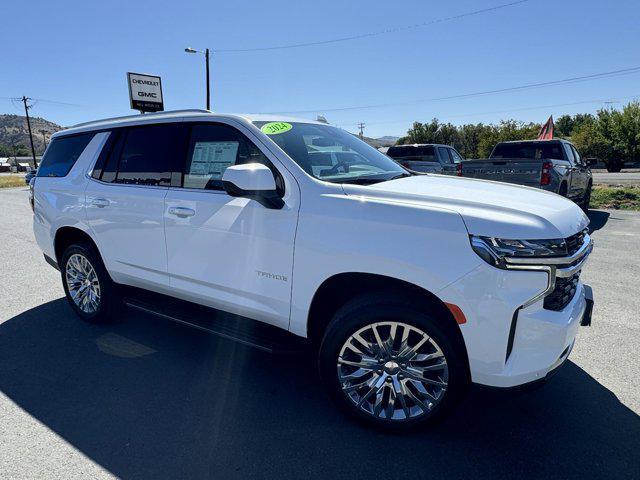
(381, 142)
(14, 132)
(388, 140)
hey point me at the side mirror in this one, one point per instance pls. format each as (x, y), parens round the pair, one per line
(254, 181)
(591, 162)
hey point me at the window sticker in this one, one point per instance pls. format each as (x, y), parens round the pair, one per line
(209, 161)
(274, 128)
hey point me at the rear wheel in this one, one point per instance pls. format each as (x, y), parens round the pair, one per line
(586, 200)
(87, 285)
(563, 190)
(391, 364)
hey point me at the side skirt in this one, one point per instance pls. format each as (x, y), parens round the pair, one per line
(239, 329)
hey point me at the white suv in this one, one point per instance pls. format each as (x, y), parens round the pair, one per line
(407, 286)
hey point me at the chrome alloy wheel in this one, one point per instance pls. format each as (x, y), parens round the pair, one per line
(83, 284)
(392, 371)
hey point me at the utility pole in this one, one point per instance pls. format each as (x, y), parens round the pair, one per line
(26, 111)
(206, 54)
(361, 127)
(44, 137)
(206, 60)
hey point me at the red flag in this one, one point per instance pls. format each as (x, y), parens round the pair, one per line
(546, 132)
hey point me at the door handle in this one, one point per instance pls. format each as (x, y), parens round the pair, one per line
(182, 212)
(100, 202)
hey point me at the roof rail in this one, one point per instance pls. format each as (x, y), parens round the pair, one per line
(125, 117)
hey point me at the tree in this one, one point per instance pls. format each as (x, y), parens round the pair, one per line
(564, 125)
(469, 136)
(421, 133)
(590, 142)
(626, 131)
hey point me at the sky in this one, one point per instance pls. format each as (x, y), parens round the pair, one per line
(78, 52)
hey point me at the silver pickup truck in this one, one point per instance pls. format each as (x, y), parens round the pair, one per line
(553, 165)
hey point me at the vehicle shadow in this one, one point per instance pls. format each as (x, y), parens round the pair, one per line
(598, 219)
(146, 398)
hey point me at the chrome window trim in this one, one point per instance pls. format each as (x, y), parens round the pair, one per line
(134, 185)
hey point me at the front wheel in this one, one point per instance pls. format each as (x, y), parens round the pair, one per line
(87, 285)
(391, 364)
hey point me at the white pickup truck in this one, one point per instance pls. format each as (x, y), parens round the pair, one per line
(407, 287)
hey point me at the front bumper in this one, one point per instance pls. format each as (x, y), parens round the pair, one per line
(511, 338)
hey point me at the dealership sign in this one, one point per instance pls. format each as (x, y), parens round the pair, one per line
(145, 92)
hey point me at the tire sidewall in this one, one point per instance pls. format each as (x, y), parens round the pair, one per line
(106, 285)
(587, 199)
(350, 319)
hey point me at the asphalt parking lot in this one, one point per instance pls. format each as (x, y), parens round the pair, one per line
(144, 398)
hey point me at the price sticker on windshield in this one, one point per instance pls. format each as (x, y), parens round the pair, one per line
(274, 128)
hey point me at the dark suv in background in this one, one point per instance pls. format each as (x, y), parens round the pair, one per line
(426, 158)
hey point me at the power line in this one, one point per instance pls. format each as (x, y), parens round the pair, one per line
(594, 76)
(43, 100)
(582, 102)
(376, 33)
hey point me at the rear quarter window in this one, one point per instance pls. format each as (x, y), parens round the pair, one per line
(62, 154)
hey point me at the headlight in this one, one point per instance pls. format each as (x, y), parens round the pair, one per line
(494, 250)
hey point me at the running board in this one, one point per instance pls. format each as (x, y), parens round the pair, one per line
(239, 329)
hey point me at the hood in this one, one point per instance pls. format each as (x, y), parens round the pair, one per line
(488, 208)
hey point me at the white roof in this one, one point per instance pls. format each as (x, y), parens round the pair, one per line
(177, 114)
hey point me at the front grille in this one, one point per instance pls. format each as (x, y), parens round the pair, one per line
(574, 242)
(563, 293)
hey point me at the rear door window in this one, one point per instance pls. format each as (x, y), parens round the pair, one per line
(455, 156)
(444, 155)
(62, 154)
(576, 155)
(569, 153)
(148, 155)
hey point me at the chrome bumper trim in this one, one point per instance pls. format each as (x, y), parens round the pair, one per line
(584, 250)
(553, 267)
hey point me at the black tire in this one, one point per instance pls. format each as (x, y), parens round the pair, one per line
(109, 300)
(586, 200)
(563, 190)
(380, 307)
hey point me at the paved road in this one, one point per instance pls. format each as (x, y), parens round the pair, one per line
(627, 177)
(143, 398)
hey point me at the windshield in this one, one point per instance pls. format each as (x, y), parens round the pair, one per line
(331, 154)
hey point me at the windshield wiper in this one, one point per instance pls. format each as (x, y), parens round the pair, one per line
(402, 175)
(363, 181)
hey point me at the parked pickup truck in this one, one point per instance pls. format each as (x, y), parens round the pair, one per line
(553, 165)
(272, 231)
(426, 158)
